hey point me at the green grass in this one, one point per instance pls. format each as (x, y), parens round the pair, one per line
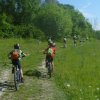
(77, 71)
(28, 46)
(30, 89)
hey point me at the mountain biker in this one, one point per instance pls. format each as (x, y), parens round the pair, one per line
(50, 55)
(75, 40)
(64, 40)
(50, 40)
(16, 55)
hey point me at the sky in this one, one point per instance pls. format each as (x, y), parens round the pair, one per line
(89, 8)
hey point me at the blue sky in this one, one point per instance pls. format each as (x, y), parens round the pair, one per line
(89, 8)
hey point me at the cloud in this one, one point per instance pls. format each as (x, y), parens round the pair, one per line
(87, 5)
(84, 9)
(92, 19)
(87, 14)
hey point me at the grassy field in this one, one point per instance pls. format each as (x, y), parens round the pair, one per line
(77, 69)
(29, 64)
(28, 46)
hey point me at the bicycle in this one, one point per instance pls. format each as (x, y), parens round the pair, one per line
(49, 67)
(17, 77)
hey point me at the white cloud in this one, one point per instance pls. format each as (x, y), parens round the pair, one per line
(87, 5)
(84, 9)
(87, 15)
(92, 18)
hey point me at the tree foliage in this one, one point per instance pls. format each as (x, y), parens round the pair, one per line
(53, 21)
(31, 18)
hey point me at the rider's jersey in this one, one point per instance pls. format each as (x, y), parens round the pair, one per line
(53, 51)
(21, 54)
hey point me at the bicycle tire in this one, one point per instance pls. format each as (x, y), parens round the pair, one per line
(49, 69)
(15, 81)
(17, 78)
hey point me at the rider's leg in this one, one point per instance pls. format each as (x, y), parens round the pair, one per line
(21, 71)
(13, 65)
(52, 64)
(12, 69)
(46, 61)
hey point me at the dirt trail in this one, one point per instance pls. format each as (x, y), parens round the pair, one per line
(45, 88)
(4, 76)
(48, 87)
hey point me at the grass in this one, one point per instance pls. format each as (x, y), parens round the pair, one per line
(77, 71)
(30, 88)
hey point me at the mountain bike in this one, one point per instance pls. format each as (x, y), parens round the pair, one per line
(17, 77)
(50, 68)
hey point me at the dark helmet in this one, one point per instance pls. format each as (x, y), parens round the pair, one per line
(16, 46)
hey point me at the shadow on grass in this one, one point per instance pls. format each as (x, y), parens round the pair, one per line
(7, 86)
(34, 72)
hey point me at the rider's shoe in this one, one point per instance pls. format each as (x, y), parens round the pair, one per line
(13, 70)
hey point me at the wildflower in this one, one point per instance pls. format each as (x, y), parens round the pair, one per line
(68, 85)
(90, 86)
(98, 89)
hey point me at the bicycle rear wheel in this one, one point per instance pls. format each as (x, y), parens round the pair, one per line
(16, 81)
(49, 69)
(17, 78)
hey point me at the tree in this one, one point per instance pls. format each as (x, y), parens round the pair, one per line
(54, 21)
(51, 1)
(29, 8)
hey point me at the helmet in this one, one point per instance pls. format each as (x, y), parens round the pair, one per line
(16, 46)
(54, 44)
(50, 43)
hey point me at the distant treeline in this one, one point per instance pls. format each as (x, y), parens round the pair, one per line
(40, 20)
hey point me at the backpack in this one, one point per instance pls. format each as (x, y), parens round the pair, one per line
(50, 51)
(15, 55)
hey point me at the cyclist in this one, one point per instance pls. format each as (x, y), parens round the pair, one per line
(49, 40)
(64, 40)
(50, 53)
(75, 40)
(16, 55)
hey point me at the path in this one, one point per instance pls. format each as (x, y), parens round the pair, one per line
(33, 88)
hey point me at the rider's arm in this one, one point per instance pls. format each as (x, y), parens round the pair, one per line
(45, 51)
(9, 55)
(23, 54)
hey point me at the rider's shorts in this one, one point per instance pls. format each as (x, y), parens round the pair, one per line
(16, 63)
(49, 58)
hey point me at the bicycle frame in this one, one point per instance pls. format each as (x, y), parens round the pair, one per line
(50, 68)
(17, 77)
